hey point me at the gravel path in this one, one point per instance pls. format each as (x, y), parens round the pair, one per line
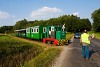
(60, 59)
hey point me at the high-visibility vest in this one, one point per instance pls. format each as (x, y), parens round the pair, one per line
(85, 38)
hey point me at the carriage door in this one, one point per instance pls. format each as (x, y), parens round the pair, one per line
(44, 35)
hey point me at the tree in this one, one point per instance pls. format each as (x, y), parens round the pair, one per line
(85, 24)
(20, 24)
(96, 20)
(6, 29)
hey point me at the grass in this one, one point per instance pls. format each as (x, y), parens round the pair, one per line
(97, 34)
(69, 35)
(16, 51)
(44, 59)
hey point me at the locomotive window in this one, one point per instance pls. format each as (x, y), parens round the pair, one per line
(58, 29)
(52, 28)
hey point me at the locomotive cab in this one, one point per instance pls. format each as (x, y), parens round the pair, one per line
(56, 32)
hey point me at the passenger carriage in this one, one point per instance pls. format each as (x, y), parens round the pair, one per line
(36, 32)
(20, 33)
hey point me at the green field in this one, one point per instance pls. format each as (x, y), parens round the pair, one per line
(97, 34)
(16, 52)
(69, 35)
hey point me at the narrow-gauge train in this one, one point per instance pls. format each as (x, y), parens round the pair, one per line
(48, 34)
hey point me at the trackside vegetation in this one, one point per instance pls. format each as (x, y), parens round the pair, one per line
(19, 52)
(69, 35)
(14, 53)
(44, 59)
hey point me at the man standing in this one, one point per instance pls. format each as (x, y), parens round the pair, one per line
(85, 41)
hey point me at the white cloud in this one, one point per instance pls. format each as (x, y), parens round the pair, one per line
(6, 18)
(45, 12)
(4, 15)
(76, 14)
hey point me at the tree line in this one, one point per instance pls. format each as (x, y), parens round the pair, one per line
(72, 23)
(6, 29)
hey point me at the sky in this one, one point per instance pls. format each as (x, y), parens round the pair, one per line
(12, 11)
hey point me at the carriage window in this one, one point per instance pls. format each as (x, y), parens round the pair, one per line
(34, 30)
(28, 30)
(37, 30)
(44, 29)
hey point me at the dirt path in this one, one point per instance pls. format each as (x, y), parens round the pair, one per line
(71, 57)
